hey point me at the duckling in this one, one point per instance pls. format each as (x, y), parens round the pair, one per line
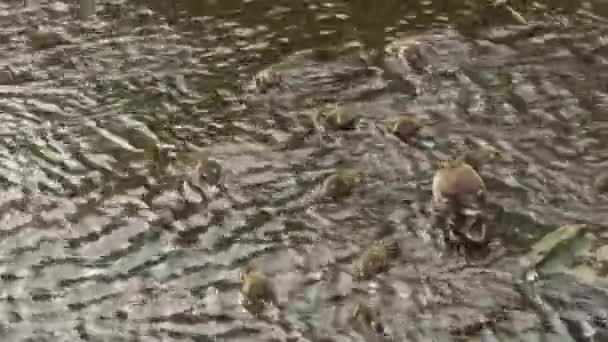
(459, 195)
(257, 288)
(481, 155)
(376, 259)
(46, 39)
(267, 79)
(336, 118)
(600, 184)
(405, 126)
(368, 317)
(210, 171)
(341, 184)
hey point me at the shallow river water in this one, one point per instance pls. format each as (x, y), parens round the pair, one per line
(112, 229)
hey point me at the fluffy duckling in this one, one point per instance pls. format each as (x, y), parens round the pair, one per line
(210, 171)
(377, 258)
(335, 118)
(267, 79)
(481, 156)
(406, 126)
(257, 288)
(600, 184)
(341, 184)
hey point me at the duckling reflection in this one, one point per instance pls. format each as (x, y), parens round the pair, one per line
(406, 126)
(488, 335)
(459, 196)
(368, 318)
(257, 289)
(341, 184)
(336, 118)
(376, 258)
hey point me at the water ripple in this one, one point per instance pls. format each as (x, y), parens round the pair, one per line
(115, 228)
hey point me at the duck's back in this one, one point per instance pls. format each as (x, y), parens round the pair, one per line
(459, 180)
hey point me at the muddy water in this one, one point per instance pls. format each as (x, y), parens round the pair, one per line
(112, 230)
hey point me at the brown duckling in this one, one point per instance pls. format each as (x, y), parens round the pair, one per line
(406, 126)
(600, 184)
(210, 171)
(459, 196)
(341, 184)
(368, 317)
(377, 258)
(481, 155)
(267, 79)
(337, 118)
(256, 287)
(41, 38)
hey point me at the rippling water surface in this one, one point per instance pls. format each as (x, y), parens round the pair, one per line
(114, 230)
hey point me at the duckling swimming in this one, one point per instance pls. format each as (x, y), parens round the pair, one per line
(406, 126)
(267, 79)
(336, 118)
(256, 287)
(459, 195)
(481, 156)
(377, 258)
(341, 184)
(600, 184)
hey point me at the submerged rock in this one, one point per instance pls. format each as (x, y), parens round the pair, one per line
(569, 291)
(571, 249)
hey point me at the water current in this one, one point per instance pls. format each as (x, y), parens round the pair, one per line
(113, 230)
